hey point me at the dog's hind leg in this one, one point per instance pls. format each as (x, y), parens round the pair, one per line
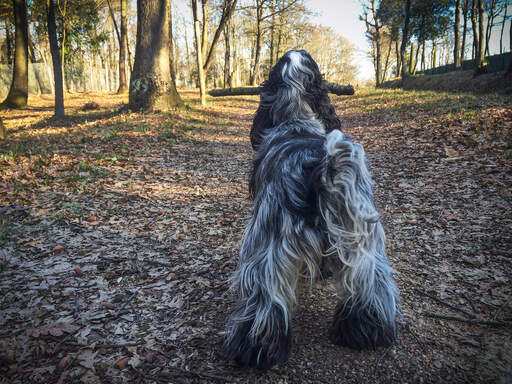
(272, 255)
(365, 315)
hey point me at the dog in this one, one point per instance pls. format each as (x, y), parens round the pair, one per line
(312, 206)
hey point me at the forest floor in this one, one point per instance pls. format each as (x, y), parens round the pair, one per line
(119, 230)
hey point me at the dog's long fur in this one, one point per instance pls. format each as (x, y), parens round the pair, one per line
(313, 203)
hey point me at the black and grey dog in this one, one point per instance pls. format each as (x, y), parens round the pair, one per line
(313, 205)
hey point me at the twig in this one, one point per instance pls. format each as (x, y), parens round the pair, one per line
(441, 214)
(137, 318)
(502, 307)
(76, 310)
(118, 312)
(134, 259)
(378, 360)
(444, 303)
(470, 321)
(203, 375)
(473, 307)
(407, 327)
(501, 252)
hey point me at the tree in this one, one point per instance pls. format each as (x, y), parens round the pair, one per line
(405, 37)
(204, 58)
(456, 30)
(57, 67)
(151, 85)
(480, 49)
(122, 40)
(18, 93)
(465, 11)
(371, 17)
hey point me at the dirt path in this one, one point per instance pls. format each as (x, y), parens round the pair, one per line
(118, 233)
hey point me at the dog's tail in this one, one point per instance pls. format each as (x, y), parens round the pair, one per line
(356, 239)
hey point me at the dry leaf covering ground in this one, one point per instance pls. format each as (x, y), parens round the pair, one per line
(118, 231)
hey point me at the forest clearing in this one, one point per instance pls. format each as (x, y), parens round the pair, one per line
(119, 231)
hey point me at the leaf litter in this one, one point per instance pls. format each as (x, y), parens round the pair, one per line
(119, 231)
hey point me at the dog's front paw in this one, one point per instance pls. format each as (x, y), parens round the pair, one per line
(359, 328)
(261, 352)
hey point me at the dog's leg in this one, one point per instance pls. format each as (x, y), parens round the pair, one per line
(365, 316)
(272, 253)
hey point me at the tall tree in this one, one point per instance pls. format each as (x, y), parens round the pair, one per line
(123, 45)
(480, 56)
(405, 38)
(151, 85)
(465, 11)
(18, 93)
(371, 17)
(503, 25)
(456, 34)
(57, 67)
(205, 58)
(199, 54)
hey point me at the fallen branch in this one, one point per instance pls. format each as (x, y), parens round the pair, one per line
(336, 89)
(469, 321)
(470, 315)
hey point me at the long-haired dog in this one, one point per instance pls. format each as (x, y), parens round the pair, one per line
(313, 205)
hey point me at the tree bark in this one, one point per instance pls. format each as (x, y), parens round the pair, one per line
(434, 54)
(227, 58)
(465, 10)
(151, 85)
(172, 55)
(405, 38)
(8, 41)
(474, 24)
(18, 93)
(456, 30)
(57, 67)
(481, 46)
(123, 44)
(257, 50)
(199, 54)
(3, 131)
(503, 26)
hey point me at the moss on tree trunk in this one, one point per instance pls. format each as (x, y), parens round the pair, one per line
(151, 85)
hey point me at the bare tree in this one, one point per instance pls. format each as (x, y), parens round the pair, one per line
(57, 67)
(18, 93)
(151, 85)
(205, 58)
(405, 38)
(456, 30)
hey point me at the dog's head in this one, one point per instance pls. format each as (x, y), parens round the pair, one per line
(294, 90)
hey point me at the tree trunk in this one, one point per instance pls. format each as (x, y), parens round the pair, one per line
(151, 85)
(54, 49)
(481, 41)
(172, 56)
(199, 54)
(464, 30)
(405, 38)
(257, 50)
(503, 26)
(474, 24)
(386, 63)
(411, 61)
(227, 58)
(3, 131)
(423, 57)
(434, 54)
(397, 53)
(510, 47)
(18, 93)
(8, 41)
(123, 44)
(204, 29)
(416, 58)
(456, 30)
